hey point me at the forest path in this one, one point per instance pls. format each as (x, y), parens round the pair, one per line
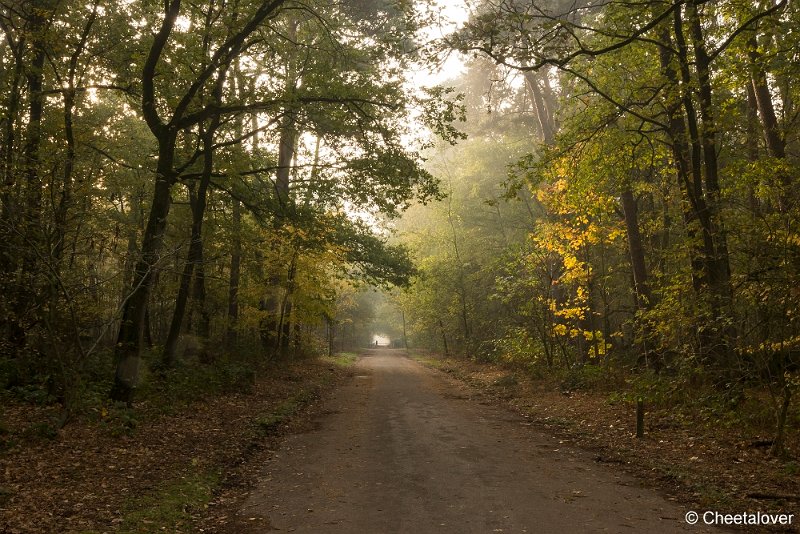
(403, 449)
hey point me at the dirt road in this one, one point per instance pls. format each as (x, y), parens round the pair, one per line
(403, 449)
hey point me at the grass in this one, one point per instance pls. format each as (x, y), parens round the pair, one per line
(266, 423)
(342, 359)
(169, 508)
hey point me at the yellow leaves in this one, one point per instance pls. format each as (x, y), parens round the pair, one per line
(576, 313)
(784, 238)
(771, 347)
(570, 262)
(616, 233)
(581, 295)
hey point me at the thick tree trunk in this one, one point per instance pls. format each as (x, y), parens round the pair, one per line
(12, 331)
(194, 261)
(129, 340)
(10, 214)
(272, 326)
(776, 147)
(636, 249)
(32, 218)
(641, 287)
(130, 334)
(696, 165)
(721, 280)
(776, 144)
(178, 313)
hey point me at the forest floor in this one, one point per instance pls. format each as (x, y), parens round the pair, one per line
(199, 467)
(707, 464)
(149, 470)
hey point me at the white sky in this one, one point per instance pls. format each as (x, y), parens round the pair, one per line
(451, 15)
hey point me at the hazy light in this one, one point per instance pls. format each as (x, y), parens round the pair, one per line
(381, 340)
(450, 15)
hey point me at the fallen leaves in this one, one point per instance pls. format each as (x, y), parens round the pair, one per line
(708, 465)
(82, 480)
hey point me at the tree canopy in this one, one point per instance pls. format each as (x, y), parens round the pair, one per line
(655, 194)
(176, 173)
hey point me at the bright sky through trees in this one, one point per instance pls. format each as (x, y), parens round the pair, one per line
(449, 15)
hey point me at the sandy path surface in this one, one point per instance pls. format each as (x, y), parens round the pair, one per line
(403, 449)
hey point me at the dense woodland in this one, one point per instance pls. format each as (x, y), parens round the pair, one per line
(213, 184)
(624, 210)
(198, 183)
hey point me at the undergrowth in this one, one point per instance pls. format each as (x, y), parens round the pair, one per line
(342, 359)
(169, 507)
(161, 392)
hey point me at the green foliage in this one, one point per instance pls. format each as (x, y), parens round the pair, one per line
(659, 184)
(519, 347)
(592, 377)
(81, 226)
(188, 382)
(270, 421)
(41, 430)
(792, 468)
(342, 359)
(170, 506)
(119, 419)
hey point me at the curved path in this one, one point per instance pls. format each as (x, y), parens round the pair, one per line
(402, 449)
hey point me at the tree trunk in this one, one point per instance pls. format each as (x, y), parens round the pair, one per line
(129, 340)
(709, 253)
(284, 325)
(405, 339)
(69, 135)
(776, 147)
(778, 445)
(272, 327)
(462, 289)
(776, 144)
(13, 329)
(9, 214)
(721, 262)
(641, 287)
(31, 223)
(636, 249)
(543, 112)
